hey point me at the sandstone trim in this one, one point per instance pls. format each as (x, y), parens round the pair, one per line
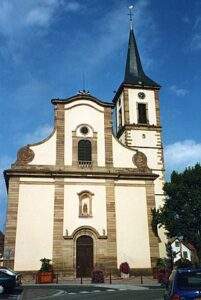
(158, 121)
(126, 106)
(60, 134)
(111, 225)
(58, 224)
(153, 240)
(11, 222)
(108, 137)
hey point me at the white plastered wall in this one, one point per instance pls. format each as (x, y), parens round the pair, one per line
(122, 156)
(34, 236)
(132, 227)
(134, 100)
(71, 205)
(89, 113)
(45, 152)
(143, 138)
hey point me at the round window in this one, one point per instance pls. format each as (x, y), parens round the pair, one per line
(141, 95)
(84, 130)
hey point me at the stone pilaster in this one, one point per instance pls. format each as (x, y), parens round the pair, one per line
(111, 260)
(108, 137)
(60, 131)
(58, 224)
(126, 107)
(153, 240)
(158, 121)
(11, 222)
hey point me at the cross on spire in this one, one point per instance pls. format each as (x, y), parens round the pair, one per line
(131, 16)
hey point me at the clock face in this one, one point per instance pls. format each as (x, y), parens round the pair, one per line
(141, 95)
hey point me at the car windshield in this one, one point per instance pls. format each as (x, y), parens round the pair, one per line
(189, 280)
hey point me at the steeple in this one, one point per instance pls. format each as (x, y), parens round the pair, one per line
(134, 73)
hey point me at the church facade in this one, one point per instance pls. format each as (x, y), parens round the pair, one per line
(83, 196)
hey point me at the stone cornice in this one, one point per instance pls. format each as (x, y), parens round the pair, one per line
(82, 97)
(131, 86)
(138, 127)
(69, 172)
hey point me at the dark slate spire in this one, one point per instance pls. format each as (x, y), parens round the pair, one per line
(134, 73)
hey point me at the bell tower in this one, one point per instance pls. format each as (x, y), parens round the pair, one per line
(137, 114)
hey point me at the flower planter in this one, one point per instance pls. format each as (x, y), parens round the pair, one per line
(124, 275)
(97, 276)
(45, 277)
(124, 270)
(163, 275)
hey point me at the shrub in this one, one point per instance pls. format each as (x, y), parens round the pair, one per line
(97, 276)
(162, 263)
(124, 268)
(45, 266)
(183, 263)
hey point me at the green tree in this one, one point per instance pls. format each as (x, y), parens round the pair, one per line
(181, 213)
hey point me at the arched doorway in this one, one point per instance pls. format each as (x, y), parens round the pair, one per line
(84, 256)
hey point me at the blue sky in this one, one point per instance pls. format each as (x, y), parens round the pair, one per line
(46, 46)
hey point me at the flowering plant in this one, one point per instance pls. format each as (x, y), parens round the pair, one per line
(97, 276)
(124, 268)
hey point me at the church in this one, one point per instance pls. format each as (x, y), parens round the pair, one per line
(83, 196)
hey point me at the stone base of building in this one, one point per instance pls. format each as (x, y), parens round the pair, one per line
(69, 275)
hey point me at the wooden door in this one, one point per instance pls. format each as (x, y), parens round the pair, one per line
(84, 256)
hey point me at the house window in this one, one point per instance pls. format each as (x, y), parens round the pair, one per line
(84, 151)
(185, 254)
(142, 113)
(85, 204)
(177, 244)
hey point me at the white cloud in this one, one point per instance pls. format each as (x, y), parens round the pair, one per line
(72, 6)
(180, 92)
(38, 135)
(196, 35)
(196, 41)
(182, 154)
(16, 15)
(40, 17)
(112, 35)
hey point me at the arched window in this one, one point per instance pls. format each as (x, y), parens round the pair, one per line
(84, 150)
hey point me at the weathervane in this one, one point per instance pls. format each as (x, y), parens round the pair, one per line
(131, 16)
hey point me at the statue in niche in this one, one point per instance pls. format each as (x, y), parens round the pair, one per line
(85, 209)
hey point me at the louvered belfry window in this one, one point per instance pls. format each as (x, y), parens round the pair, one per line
(84, 150)
(142, 113)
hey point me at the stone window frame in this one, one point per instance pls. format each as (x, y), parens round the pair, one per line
(75, 141)
(90, 195)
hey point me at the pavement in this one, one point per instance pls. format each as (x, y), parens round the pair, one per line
(85, 291)
(132, 288)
